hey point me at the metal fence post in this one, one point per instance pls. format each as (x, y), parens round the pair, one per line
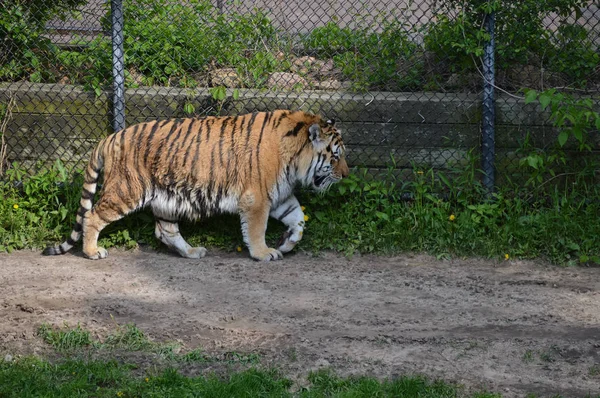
(488, 139)
(118, 66)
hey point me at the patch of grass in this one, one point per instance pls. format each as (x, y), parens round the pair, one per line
(325, 383)
(81, 378)
(129, 337)
(528, 356)
(34, 377)
(68, 339)
(594, 370)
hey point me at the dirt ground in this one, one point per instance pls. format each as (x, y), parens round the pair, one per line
(512, 327)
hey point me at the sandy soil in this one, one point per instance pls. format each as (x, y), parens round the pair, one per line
(511, 327)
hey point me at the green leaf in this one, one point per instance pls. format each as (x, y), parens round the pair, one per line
(382, 216)
(189, 108)
(530, 96)
(578, 133)
(545, 100)
(236, 94)
(562, 138)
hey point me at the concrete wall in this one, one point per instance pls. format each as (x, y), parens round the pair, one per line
(425, 129)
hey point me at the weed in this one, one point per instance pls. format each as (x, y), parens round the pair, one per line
(62, 340)
(594, 370)
(528, 356)
(129, 337)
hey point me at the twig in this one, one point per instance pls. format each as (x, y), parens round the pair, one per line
(3, 125)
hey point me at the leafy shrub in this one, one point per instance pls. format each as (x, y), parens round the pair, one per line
(458, 35)
(574, 53)
(370, 60)
(24, 52)
(172, 44)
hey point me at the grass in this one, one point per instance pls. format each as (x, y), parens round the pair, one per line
(444, 218)
(130, 338)
(80, 369)
(31, 377)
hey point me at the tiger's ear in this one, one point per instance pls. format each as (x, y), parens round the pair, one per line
(331, 122)
(314, 133)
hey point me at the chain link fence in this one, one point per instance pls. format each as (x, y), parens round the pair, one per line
(405, 78)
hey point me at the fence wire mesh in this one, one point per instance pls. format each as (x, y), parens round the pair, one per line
(403, 77)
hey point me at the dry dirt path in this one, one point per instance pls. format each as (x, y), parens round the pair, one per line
(511, 327)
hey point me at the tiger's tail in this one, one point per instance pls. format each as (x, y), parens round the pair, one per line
(92, 174)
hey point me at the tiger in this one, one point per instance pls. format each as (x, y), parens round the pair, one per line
(194, 168)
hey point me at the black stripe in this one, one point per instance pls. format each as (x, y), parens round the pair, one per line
(77, 227)
(85, 194)
(62, 251)
(81, 212)
(287, 212)
(149, 139)
(70, 241)
(165, 220)
(283, 116)
(172, 152)
(88, 177)
(187, 147)
(250, 126)
(137, 129)
(159, 153)
(197, 152)
(235, 174)
(262, 130)
(294, 132)
(223, 127)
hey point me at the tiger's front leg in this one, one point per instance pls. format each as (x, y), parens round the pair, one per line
(254, 215)
(290, 213)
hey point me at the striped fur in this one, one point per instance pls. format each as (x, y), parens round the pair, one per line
(195, 168)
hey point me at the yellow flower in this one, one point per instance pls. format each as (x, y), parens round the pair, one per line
(146, 380)
(506, 256)
(15, 206)
(303, 208)
(120, 394)
(239, 248)
(306, 217)
(452, 217)
(419, 172)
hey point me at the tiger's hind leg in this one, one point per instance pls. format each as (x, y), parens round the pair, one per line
(95, 220)
(168, 233)
(290, 213)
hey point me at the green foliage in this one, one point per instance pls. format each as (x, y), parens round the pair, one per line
(521, 35)
(452, 217)
(386, 60)
(574, 117)
(36, 208)
(325, 383)
(63, 340)
(25, 52)
(172, 44)
(97, 378)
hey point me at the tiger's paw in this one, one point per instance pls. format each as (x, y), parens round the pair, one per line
(268, 254)
(99, 254)
(196, 252)
(287, 242)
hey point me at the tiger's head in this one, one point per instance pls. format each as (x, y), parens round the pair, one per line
(328, 164)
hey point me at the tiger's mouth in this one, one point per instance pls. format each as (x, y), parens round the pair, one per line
(321, 183)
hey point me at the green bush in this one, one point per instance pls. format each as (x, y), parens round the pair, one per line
(522, 37)
(24, 52)
(386, 60)
(170, 44)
